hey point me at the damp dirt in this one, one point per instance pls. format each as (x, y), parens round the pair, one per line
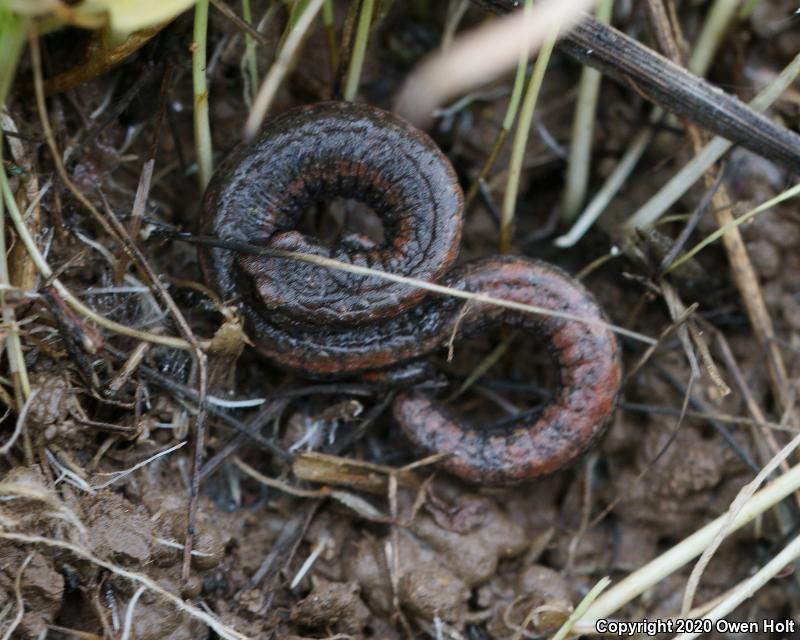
(359, 545)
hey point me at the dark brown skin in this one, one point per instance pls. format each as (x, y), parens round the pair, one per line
(344, 323)
(321, 322)
(318, 152)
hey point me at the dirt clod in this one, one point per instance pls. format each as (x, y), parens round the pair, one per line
(118, 530)
(334, 605)
(41, 588)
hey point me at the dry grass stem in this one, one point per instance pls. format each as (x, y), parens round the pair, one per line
(747, 588)
(277, 484)
(583, 606)
(611, 186)
(29, 491)
(744, 495)
(201, 121)
(582, 138)
(224, 631)
(18, 596)
(269, 86)
(321, 261)
(46, 272)
(19, 427)
(119, 475)
(742, 270)
(765, 440)
(683, 552)
(705, 158)
(129, 610)
(481, 55)
(521, 136)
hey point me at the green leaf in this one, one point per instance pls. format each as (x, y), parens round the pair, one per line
(12, 39)
(127, 16)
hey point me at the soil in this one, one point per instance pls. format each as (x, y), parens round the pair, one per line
(368, 551)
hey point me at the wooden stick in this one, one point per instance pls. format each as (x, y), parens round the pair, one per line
(672, 87)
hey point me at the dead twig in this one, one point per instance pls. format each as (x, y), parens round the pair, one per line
(240, 24)
(742, 271)
(224, 631)
(117, 230)
(321, 261)
(20, 602)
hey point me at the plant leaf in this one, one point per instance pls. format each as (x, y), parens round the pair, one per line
(127, 16)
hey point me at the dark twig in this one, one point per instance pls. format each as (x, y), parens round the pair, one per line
(112, 225)
(200, 360)
(626, 491)
(231, 15)
(90, 136)
(145, 179)
(753, 407)
(344, 443)
(286, 544)
(718, 426)
(191, 395)
(254, 424)
(663, 32)
(673, 88)
(691, 224)
(345, 50)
